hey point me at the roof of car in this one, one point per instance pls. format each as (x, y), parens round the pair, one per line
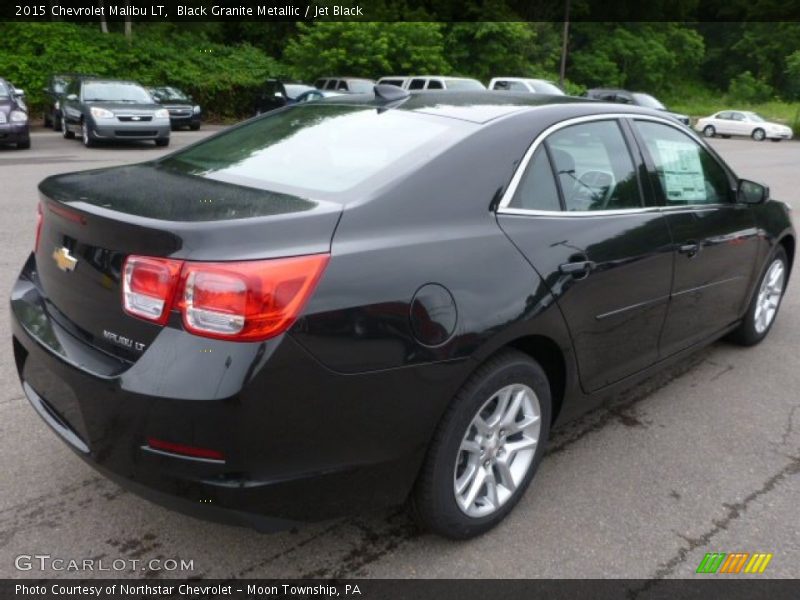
(480, 106)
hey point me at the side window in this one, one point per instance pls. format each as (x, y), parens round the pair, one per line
(416, 84)
(594, 167)
(342, 85)
(435, 84)
(517, 86)
(501, 85)
(738, 116)
(726, 116)
(537, 189)
(331, 84)
(687, 172)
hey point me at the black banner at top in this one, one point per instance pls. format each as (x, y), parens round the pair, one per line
(407, 10)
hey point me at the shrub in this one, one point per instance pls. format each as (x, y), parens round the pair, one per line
(744, 87)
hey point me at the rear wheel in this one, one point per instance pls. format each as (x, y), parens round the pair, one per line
(709, 131)
(759, 135)
(486, 449)
(764, 306)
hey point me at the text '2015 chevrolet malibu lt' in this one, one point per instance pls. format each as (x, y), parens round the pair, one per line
(374, 299)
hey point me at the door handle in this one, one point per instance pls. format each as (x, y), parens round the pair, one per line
(578, 269)
(690, 249)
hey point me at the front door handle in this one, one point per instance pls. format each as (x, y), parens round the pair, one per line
(578, 269)
(690, 249)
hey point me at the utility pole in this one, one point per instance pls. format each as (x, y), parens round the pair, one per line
(565, 39)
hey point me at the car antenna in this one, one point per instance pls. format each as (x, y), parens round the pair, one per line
(389, 93)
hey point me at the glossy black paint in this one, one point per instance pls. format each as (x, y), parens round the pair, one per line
(426, 280)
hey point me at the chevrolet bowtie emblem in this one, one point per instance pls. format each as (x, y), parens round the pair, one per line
(65, 261)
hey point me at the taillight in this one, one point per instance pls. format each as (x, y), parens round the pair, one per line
(241, 301)
(148, 287)
(39, 220)
(247, 301)
(185, 450)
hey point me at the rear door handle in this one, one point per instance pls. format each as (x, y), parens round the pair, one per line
(578, 269)
(690, 249)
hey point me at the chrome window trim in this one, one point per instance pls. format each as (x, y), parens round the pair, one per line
(504, 209)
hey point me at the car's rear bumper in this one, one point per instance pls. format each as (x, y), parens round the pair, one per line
(300, 442)
(14, 133)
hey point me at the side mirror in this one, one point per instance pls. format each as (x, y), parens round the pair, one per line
(72, 97)
(750, 192)
(19, 92)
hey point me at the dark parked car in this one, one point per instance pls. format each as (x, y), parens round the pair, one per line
(55, 91)
(14, 121)
(276, 94)
(384, 297)
(183, 111)
(635, 98)
(112, 110)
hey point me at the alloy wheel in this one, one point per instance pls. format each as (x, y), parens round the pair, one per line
(497, 450)
(769, 296)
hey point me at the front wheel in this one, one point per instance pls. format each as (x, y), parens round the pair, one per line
(486, 449)
(162, 142)
(68, 135)
(709, 131)
(194, 126)
(86, 135)
(764, 306)
(759, 135)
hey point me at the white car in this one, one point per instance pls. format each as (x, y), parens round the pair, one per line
(742, 122)
(433, 82)
(524, 84)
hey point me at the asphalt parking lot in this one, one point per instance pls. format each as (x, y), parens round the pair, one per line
(704, 457)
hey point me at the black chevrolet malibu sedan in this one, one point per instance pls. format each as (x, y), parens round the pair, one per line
(373, 299)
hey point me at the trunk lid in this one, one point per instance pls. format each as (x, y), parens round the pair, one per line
(94, 219)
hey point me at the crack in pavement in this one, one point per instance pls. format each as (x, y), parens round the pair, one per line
(733, 512)
(789, 425)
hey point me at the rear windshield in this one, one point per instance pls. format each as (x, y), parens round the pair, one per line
(464, 84)
(317, 148)
(115, 92)
(360, 87)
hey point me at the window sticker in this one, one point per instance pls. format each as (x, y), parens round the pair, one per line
(683, 171)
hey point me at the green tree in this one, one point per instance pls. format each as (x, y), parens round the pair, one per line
(366, 49)
(647, 56)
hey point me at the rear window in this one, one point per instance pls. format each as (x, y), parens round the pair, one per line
(318, 148)
(360, 87)
(464, 84)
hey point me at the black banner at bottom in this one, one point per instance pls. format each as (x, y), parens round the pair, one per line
(707, 588)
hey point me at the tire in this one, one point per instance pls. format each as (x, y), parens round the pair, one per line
(436, 502)
(48, 122)
(194, 126)
(162, 143)
(56, 123)
(709, 131)
(758, 134)
(86, 135)
(68, 135)
(758, 319)
(24, 145)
